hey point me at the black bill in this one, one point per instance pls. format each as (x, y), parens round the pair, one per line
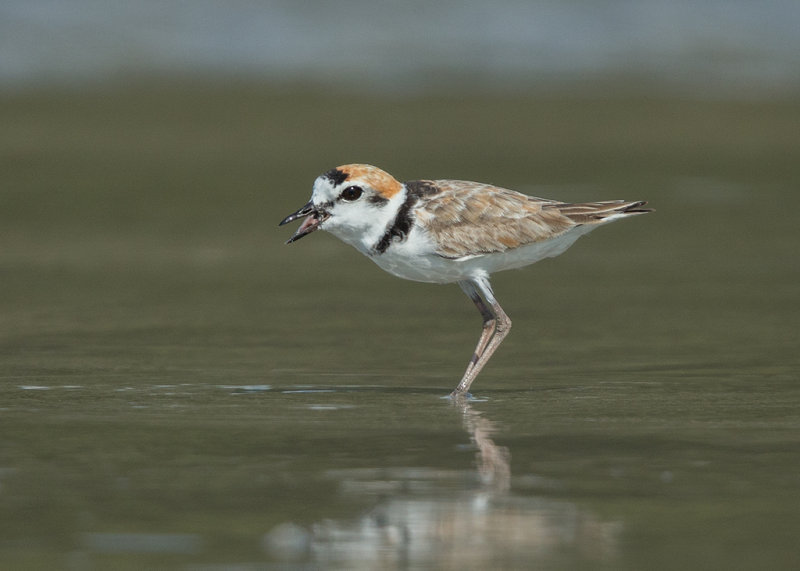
(313, 219)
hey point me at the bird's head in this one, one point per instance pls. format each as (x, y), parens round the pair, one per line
(348, 201)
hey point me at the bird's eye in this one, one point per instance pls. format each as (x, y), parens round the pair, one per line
(352, 193)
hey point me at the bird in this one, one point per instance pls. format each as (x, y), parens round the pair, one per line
(446, 231)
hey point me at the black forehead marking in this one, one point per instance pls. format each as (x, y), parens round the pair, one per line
(336, 176)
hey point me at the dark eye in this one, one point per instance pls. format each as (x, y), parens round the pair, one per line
(352, 193)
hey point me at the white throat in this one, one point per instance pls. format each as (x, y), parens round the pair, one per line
(363, 225)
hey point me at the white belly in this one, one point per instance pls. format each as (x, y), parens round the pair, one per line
(414, 259)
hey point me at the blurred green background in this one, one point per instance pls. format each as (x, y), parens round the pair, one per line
(152, 206)
(180, 388)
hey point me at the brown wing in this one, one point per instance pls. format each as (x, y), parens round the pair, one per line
(470, 218)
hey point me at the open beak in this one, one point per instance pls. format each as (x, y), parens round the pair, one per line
(313, 219)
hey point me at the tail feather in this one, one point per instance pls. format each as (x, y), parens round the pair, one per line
(597, 212)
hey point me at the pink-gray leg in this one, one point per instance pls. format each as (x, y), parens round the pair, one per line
(496, 325)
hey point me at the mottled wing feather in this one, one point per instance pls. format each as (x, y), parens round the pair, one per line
(470, 218)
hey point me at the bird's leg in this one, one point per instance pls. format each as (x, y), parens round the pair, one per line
(488, 322)
(496, 326)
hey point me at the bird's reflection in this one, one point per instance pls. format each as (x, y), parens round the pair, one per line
(493, 461)
(450, 518)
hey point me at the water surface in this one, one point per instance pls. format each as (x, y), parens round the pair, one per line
(179, 389)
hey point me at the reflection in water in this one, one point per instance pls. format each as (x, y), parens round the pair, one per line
(494, 462)
(450, 518)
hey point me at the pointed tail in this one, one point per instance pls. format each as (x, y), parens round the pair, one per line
(599, 212)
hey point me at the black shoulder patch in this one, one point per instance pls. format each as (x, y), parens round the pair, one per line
(401, 225)
(336, 176)
(421, 187)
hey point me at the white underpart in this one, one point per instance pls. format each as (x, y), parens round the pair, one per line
(414, 259)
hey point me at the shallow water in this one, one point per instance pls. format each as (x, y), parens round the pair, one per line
(179, 389)
(596, 473)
